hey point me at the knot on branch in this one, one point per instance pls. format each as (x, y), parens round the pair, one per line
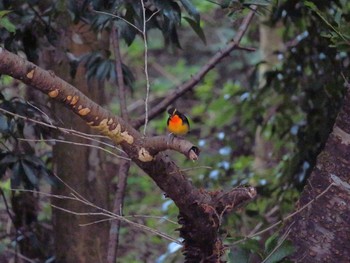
(193, 153)
(200, 230)
(201, 243)
(226, 202)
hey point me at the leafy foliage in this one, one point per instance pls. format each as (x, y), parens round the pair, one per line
(295, 108)
(18, 155)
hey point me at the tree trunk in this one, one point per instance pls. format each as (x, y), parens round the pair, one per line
(78, 166)
(270, 43)
(321, 231)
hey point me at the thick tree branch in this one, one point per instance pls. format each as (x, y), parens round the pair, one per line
(188, 85)
(95, 116)
(198, 208)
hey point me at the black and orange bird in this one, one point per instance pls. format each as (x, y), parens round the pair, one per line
(177, 122)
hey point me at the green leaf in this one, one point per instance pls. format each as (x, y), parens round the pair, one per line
(4, 13)
(197, 28)
(9, 159)
(17, 171)
(251, 244)
(5, 23)
(283, 251)
(127, 32)
(239, 255)
(3, 124)
(271, 242)
(191, 10)
(30, 173)
(257, 2)
(169, 9)
(34, 160)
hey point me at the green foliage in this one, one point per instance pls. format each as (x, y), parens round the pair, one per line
(339, 34)
(276, 250)
(5, 22)
(27, 169)
(295, 108)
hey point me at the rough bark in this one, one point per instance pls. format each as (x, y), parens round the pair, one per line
(79, 167)
(200, 210)
(321, 231)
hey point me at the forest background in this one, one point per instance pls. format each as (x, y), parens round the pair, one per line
(262, 83)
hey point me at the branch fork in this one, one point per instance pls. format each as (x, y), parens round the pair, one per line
(200, 211)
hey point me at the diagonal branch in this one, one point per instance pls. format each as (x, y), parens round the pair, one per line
(124, 165)
(120, 75)
(198, 209)
(188, 85)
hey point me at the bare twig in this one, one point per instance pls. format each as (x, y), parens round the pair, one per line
(186, 86)
(144, 34)
(102, 212)
(117, 209)
(75, 143)
(8, 210)
(119, 17)
(279, 243)
(21, 256)
(91, 137)
(286, 218)
(154, 217)
(118, 217)
(119, 71)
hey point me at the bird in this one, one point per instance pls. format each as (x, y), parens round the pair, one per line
(177, 123)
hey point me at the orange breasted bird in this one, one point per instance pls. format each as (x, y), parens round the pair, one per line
(177, 122)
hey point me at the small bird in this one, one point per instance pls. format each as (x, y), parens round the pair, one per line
(177, 122)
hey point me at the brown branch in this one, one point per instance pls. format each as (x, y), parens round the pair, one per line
(124, 165)
(158, 144)
(198, 209)
(188, 85)
(120, 75)
(113, 242)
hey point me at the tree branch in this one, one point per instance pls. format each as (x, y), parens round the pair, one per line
(124, 165)
(120, 75)
(198, 208)
(188, 85)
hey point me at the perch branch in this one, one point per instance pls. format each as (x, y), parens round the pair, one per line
(186, 86)
(199, 210)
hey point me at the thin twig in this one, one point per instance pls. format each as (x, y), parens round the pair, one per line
(39, 110)
(121, 218)
(114, 231)
(119, 17)
(119, 72)
(75, 143)
(7, 206)
(26, 259)
(109, 215)
(286, 218)
(156, 12)
(12, 220)
(87, 136)
(154, 217)
(279, 243)
(195, 79)
(144, 34)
